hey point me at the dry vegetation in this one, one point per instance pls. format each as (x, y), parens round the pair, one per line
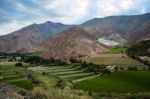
(52, 88)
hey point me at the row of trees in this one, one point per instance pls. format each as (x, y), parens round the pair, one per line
(9, 54)
(30, 59)
(40, 60)
(96, 68)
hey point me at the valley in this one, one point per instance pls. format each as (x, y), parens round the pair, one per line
(86, 76)
(102, 58)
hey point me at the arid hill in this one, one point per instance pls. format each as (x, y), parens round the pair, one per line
(72, 42)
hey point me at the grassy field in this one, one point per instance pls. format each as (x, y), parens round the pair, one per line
(22, 83)
(8, 72)
(113, 59)
(115, 50)
(120, 82)
(36, 53)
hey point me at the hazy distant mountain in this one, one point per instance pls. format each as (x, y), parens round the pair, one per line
(121, 25)
(30, 36)
(71, 42)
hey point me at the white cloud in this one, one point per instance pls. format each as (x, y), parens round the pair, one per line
(68, 11)
(10, 27)
(114, 7)
(127, 4)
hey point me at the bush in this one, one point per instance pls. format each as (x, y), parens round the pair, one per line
(18, 64)
(91, 67)
(10, 60)
(44, 73)
(60, 84)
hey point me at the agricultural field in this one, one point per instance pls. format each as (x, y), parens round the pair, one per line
(118, 82)
(114, 56)
(113, 59)
(8, 72)
(76, 78)
(73, 73)
(36, 53)
(115, 50)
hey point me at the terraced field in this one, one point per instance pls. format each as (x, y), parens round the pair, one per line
(113, 59)
(10, 76)
(73, 73)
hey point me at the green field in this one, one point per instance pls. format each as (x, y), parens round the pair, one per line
(23, 84)
(36, 53)
(120, 82)
(115, 50)
(9, 75)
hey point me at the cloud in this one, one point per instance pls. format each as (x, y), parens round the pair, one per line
(20, 13)
(10, 27)
(121, 7)
(127, 4)
(114, 7)
(68, 11)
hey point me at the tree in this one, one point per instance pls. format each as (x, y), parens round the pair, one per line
(84, 64)
(73, 60)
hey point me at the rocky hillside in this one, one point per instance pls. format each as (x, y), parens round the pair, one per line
(116, 29)
(142, 48)
(29, 37)
(123, 26)
(141, 34)
(72, 42)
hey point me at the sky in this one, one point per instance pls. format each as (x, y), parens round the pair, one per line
(15, 14)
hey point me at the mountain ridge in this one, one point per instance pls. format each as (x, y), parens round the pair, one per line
(29, 36)
(120, 29)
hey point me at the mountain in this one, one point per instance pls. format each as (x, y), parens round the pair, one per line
(120, 25)
(110, 30)
(29, 37)
(141, 48)
(140, 34)
(72, 42)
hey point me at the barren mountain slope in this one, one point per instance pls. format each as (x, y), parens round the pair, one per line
(72, 42)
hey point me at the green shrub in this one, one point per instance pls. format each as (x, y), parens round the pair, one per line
(18, 64)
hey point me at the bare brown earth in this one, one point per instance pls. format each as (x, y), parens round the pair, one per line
(29, 37)
(72, 42)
